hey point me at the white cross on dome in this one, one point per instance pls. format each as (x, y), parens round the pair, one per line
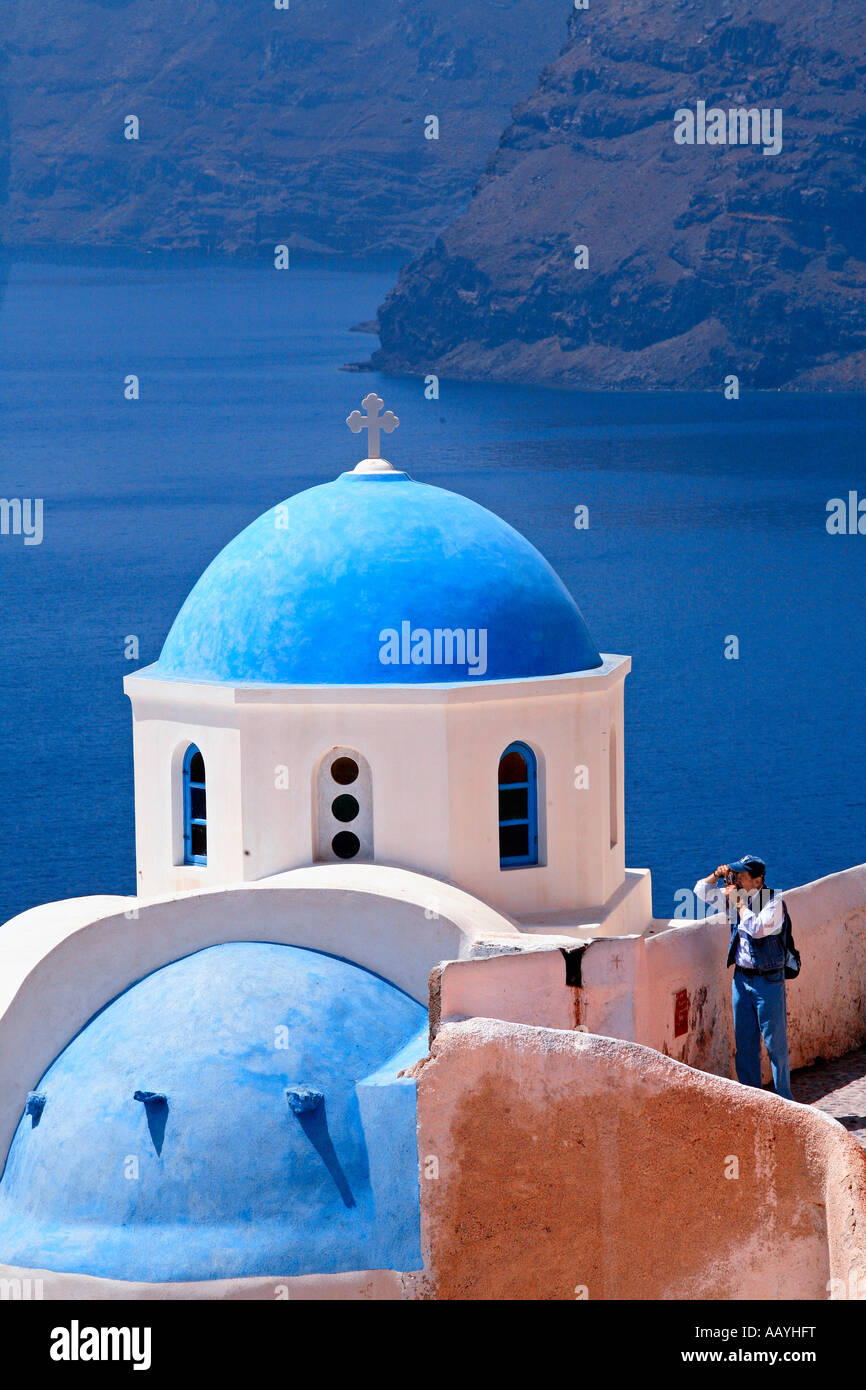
(372, 422)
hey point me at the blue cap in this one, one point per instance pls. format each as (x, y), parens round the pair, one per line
(749, 864)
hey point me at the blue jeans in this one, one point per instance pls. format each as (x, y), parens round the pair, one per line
(760, 1011)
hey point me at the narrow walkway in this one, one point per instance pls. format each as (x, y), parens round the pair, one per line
(837, 1087)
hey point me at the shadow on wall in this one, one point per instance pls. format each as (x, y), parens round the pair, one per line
(573, 1166)
(309, 1108)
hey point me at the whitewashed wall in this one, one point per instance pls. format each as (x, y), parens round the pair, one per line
(433, 755)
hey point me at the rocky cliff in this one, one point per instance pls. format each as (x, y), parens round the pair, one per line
(304, 125)
(702, 259)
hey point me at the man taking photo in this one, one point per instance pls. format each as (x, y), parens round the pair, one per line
(757, 953)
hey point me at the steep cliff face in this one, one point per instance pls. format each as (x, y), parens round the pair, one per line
(703, 259)
(303, 125)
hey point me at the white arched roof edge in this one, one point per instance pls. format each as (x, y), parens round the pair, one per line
(62, 962)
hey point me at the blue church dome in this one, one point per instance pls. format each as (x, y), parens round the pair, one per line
(375, 579)
(234, 1113)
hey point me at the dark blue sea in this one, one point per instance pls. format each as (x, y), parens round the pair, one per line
(707, 520)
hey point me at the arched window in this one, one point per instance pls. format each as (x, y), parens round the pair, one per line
(344, 807)
(194, 808)
(518, 807)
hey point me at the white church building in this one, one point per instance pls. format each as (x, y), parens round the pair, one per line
(382, 672)
(378, 785)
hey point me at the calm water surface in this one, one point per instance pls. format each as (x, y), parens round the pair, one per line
(707, 519)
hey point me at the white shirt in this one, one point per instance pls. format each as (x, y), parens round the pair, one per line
(767, 921)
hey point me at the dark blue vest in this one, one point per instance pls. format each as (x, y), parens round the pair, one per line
(768, 952)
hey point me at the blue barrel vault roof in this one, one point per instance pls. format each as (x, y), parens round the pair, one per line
(234, 1113)
(305, 593)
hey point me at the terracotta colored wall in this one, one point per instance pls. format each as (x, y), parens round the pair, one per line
(553, 1161)
(628, 985)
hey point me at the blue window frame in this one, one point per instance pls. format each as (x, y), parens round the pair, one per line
(194, 808)
(518, 807)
